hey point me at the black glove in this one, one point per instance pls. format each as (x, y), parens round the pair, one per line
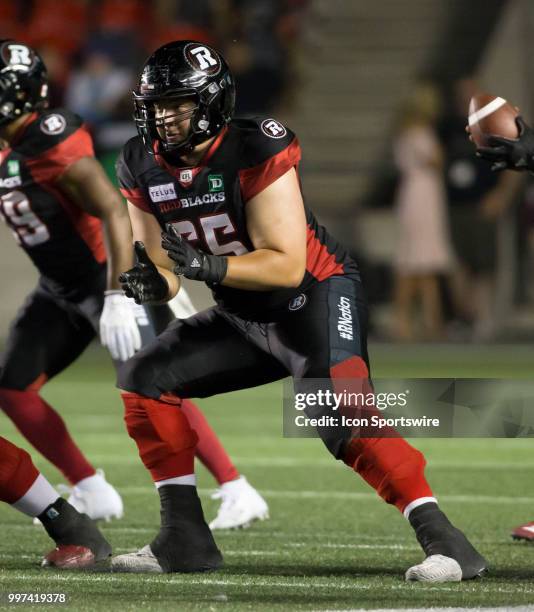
(143, 282)
(190, 262)
(515, 154)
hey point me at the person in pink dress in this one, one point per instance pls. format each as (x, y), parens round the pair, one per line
(423, 249)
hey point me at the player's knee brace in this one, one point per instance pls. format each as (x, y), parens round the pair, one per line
(163, 435)
(17, 472)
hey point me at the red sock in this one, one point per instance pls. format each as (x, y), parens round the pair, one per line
(17, 472)
(209, 448)
(42, 426)
(163, 436)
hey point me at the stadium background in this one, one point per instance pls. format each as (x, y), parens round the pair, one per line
(337, 72)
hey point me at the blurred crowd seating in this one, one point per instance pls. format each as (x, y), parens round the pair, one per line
(94, 48)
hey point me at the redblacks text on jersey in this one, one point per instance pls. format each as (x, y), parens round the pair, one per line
(207, 203)
(64, 242)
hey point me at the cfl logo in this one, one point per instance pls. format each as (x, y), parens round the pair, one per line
(205, 59)
(20, 56)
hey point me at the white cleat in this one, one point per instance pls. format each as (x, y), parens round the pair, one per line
(95, 497)
(98, 499)
(142, 561)
(436, 568)
(241, 505)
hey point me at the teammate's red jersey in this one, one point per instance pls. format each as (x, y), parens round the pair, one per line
(64, 242)
(206, 204)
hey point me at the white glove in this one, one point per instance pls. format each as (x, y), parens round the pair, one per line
(118, 326)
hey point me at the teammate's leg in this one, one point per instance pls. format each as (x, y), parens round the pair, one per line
(44, 339)
(390, 465)
(200, 356)
(241, 504)
(78, 542)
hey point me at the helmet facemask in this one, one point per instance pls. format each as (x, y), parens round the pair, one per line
(203, 124)
(153, 126)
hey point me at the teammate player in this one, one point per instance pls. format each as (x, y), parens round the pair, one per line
(56, 198)
(226, 192)
(513, 154)
(79, 543)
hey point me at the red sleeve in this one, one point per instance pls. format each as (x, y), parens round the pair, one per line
(50, 165)
(136, 197)
(256, 179)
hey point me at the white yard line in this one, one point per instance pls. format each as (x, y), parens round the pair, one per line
(289, 494)
(314, 582)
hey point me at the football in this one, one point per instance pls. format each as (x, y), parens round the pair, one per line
(491, 116)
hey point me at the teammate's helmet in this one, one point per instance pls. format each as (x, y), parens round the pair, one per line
(23, 81)
(184, 69)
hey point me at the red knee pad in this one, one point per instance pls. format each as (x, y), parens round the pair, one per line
(391, 466)
(17, 472)
(163, 436)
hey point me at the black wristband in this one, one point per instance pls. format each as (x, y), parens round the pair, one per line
(218, 267)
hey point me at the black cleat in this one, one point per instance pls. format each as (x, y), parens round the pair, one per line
(443, 545)
(184, 542)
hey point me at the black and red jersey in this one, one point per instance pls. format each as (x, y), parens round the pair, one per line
(207, 203)
(64, 242)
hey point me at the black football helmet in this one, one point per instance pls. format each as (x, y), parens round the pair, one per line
(184, 69)
(23, 81)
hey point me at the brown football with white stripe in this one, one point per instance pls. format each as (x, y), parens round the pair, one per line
(491, 116)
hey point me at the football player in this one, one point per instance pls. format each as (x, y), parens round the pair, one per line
(217, 199)
(79, 543)
(512, 154)
(61, 207)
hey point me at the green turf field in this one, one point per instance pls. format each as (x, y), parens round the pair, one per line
(331, 543)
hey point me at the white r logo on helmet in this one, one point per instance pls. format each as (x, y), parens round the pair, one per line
(204, 57)
(20, 56)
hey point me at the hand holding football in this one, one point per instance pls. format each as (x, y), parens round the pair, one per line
(491, 116)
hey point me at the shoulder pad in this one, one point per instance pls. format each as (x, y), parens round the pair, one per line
(263, 138)
(49, 129)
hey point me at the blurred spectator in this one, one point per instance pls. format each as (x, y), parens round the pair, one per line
(123, 15)
(58, 68)
(199, 20)
(120, 29)
(9, 19)
(59, 25)
(423, 249)
(95, 89)
(257, 55)
(477, 199)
